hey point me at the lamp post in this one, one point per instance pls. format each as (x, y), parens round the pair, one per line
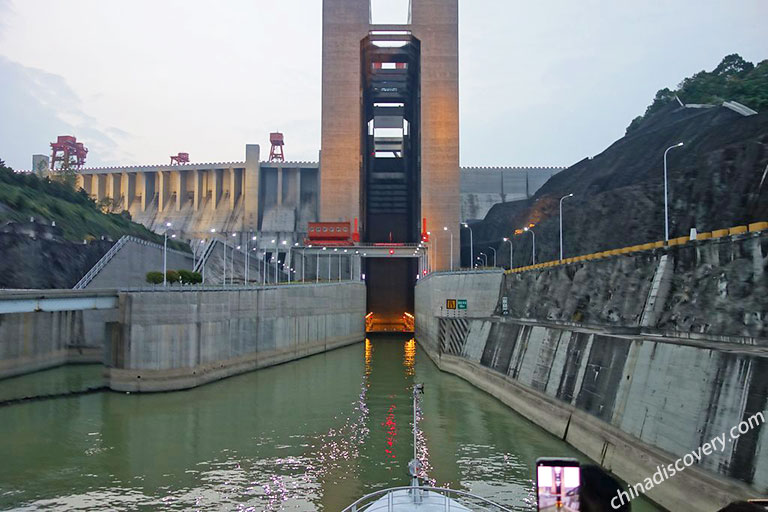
(247, 257)
(494, 256)
(511, 254)
(432, 256)
(165, 254)
(317, 267)
(213, 241)
(484, 260)
(666, 203)
(356, 257)
(264, 268)
(335, 250)
(471, 246)
(533, 247)
(203, 265)
(232, 267)
(445, 228)
(561, 224)
(274, 241)
(232, 278)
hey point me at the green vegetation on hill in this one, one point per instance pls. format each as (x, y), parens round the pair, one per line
(77, 216)
(734, 79)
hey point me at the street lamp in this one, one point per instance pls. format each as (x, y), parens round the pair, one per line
(471, 247)
(494, 256)
(303, 264)
(445, 228)
(431, 259)
(224, 267)
(511, 254)
(533, 248)
(264, 268)
(232, 267)
(666, 204)
(561, 224)
(274, 241)
(277, 260)
(484, 260)
(247, 257)
(165, 254)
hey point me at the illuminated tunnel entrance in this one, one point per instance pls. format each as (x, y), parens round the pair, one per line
(390, 173)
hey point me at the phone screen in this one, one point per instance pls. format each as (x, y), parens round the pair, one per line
(557, 484)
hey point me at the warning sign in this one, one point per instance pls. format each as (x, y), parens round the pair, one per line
(450, 304)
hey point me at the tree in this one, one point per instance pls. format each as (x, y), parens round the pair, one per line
(66, 174)
(734, 79)
(108, 205)
(733, 64)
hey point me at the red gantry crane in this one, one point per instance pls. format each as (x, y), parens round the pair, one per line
(181, 158)
(68, 152)
(276, 153)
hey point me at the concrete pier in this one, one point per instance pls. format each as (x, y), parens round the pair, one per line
(166, 341)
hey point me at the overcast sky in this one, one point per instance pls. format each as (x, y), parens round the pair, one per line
(543, 82)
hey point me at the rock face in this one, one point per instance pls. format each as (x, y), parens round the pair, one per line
(712, 288)
(716, 180)
(28, 262)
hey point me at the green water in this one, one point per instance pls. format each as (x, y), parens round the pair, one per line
(65, 379)
(313, 434)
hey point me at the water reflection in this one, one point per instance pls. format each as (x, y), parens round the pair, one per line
(309, 435)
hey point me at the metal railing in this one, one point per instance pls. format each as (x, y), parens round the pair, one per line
(451, 497)
(204, 254)
(88, 277)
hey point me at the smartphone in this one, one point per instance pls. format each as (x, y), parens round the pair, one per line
(558, 482)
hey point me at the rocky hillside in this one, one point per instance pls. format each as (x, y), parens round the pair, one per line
(51, 235)
(717, 179)
(46, 263)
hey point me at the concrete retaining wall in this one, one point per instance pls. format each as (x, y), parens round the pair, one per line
(629, 401)
(35, 341)
(181, 339)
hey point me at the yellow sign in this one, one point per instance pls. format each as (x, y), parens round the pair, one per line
(450, 304)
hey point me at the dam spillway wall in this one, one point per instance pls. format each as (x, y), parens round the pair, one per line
(631, 371)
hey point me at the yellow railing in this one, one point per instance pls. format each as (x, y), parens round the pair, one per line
(718, 233)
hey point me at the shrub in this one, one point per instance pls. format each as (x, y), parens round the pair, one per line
(197, 278)
(172, 276)
(154, 277)
(185, 276)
